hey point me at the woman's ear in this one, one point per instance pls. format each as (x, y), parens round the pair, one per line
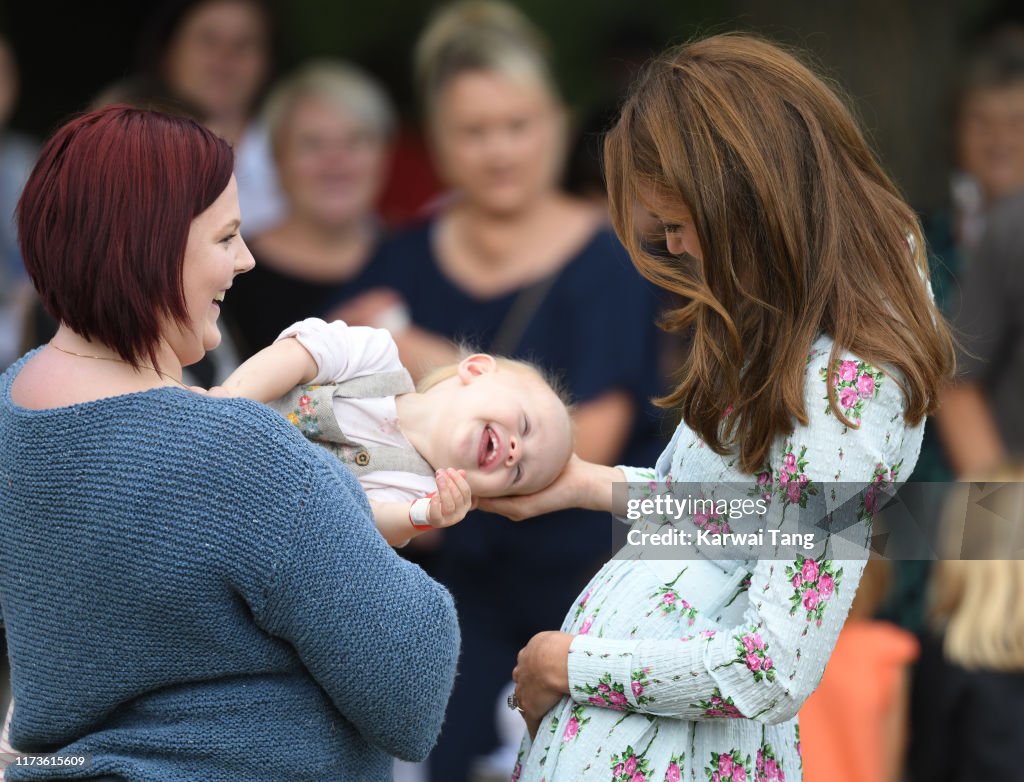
(476, 365)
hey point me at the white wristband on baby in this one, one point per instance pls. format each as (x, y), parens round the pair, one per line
(419, 513)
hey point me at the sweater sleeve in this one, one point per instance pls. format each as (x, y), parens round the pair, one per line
(764, 667)
(377, 633)
(342, 352)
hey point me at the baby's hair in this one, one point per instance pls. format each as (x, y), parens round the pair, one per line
(442, 373)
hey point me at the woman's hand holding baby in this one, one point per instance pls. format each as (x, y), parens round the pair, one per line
(580, 485)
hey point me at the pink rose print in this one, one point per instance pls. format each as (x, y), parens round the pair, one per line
(669, 602)
(582, 605)
(848, 397)
(793, 484)
(571, 728)
(629, 767)
(814, 584)
(672, 773)
(612, 695)
(865, 386)
(767, 768)
(574, 725)
(810, 570)
(811, 599)
(870, 500)
(728, 767)
(855, 383)
(825, 586)
(718, 706)
(752, 651)
(793, 492)
(881, 478)
(585, 627)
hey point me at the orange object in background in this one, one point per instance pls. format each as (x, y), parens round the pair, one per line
(854, 726)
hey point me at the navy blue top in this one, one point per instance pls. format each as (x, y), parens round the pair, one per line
(595, 330)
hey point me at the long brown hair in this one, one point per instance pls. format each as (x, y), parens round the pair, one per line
(801, 233)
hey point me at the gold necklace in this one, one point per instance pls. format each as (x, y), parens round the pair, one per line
(121, 361)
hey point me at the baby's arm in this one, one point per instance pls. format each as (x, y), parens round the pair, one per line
(398, 522)
(272, 372)
(312, 351)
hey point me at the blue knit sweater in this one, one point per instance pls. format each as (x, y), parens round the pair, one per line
(193, 592)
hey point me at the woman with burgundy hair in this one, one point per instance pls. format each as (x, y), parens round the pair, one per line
(190, 590)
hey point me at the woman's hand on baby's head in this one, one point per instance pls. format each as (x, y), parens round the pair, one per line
(453, 500)
(565, 492)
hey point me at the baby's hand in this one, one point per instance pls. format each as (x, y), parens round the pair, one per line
(453, 500)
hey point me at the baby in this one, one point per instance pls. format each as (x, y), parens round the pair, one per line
(484, 427)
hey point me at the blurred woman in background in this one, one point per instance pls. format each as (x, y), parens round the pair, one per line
(216, 55)
(968, 687)
(515, 266)
(330, 127)
(969, 683)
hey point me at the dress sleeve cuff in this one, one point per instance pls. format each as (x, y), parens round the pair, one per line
(640, 483)
(600, 672)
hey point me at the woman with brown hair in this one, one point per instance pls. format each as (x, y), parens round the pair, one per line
(817, 352)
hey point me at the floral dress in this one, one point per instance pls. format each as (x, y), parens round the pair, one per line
(695, 669)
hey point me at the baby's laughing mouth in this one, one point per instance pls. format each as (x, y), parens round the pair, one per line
(489, 452)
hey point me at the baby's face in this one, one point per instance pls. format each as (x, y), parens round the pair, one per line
(513, 435)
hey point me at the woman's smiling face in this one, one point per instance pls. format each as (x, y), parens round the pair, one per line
(214, 254)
